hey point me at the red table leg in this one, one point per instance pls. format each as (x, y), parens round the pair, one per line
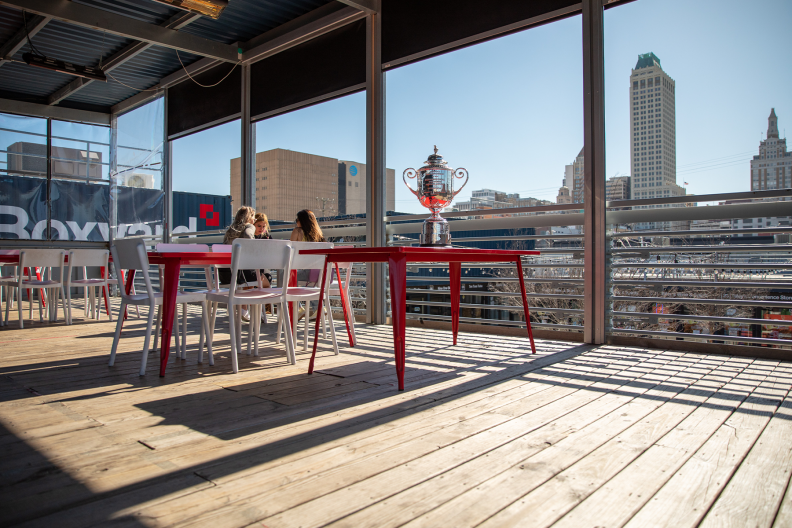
(455, 269)
(521, 280)
(318, 319)
(347, 309)
(397, 268)
(104, 291)
(169, 292)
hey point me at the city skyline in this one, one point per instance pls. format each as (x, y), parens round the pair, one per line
(516, 134)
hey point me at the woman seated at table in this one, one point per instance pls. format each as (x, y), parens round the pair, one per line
(261, 223)
(307, 230)
(242, 227)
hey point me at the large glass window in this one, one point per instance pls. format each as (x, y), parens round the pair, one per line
(694, 112)
(79, 192)
(205, 194)
(23, 173)
(313, 158)
(138, 171)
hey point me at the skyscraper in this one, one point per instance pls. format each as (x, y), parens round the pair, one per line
(772, 168)
(573, 177)
(652, 130)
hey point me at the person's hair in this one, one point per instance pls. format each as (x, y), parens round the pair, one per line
(261, 217)
(241, 217)
(310, 227)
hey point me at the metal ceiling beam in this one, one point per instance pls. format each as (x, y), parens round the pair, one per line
(367, 6)
(306, 27)
(90, 17)
(303, 28)
(56, 112)
(15, 43)
(176, 22)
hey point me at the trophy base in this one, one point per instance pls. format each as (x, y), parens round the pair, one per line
(435, 233)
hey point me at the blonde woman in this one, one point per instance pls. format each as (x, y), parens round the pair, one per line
(241, 227)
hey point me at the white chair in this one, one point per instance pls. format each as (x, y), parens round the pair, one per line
(51, 289)
(130, 254)
(305, 294)
(7, 276)
(85, 258)
(255, 254)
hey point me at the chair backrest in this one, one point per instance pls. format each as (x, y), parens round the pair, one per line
(221, 248)
(42, 258)
(345, 268)
(182, 248)
(255, 254)
(309, 261)
(88, 257)
(9, 252)
(130, 254)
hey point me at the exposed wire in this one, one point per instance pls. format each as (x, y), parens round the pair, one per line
(203, 85)
(27, 35)
(132, 87)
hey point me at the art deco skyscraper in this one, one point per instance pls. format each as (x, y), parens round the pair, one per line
(652, 130)
(772, 168)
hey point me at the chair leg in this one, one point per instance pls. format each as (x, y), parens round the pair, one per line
(117, 336)
(257, 327)
(19, 306)
(107, 302)
(204, 331)
(232, 326)
(176, 334)
(184, 332)
(41, 305)
(280, 329)
(251, 312)
(306, 320)
(290, 354)
(212, 319)
(238, 329)
(331, 324)
(69, 306)
(146, 341)
(159, 325)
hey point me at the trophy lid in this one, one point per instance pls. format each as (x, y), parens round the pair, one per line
(435, 161)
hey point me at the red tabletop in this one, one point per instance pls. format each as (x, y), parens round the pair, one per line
(397, 259)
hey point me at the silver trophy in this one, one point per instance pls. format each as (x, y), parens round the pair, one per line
(435, 192)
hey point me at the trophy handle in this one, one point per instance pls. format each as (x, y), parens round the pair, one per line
(459, 173)
(410, 173)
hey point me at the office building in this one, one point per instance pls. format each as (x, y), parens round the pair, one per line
(564, 195)
(288, 181)
(617, 188)
(573, 178)
(772, 168)
(652, 130)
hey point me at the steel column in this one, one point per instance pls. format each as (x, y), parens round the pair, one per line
(594, 241)
(113, 184)
(167, 174)
(248, 161)
(375, 167)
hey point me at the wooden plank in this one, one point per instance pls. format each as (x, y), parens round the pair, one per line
(657, 410)
(707, 439)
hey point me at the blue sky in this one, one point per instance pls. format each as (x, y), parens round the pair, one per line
(511, 110)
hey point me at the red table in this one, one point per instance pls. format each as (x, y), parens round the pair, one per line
(170, 287)
(397, 259)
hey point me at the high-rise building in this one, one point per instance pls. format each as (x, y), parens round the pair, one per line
(352, 188)
(288, 181)
(573, 178)
(617, 188)
(772, 168)
(652, 130)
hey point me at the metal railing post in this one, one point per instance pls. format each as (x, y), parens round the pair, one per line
(594, 227)
(375, 166)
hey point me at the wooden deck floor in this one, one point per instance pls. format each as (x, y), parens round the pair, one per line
(484, 435)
